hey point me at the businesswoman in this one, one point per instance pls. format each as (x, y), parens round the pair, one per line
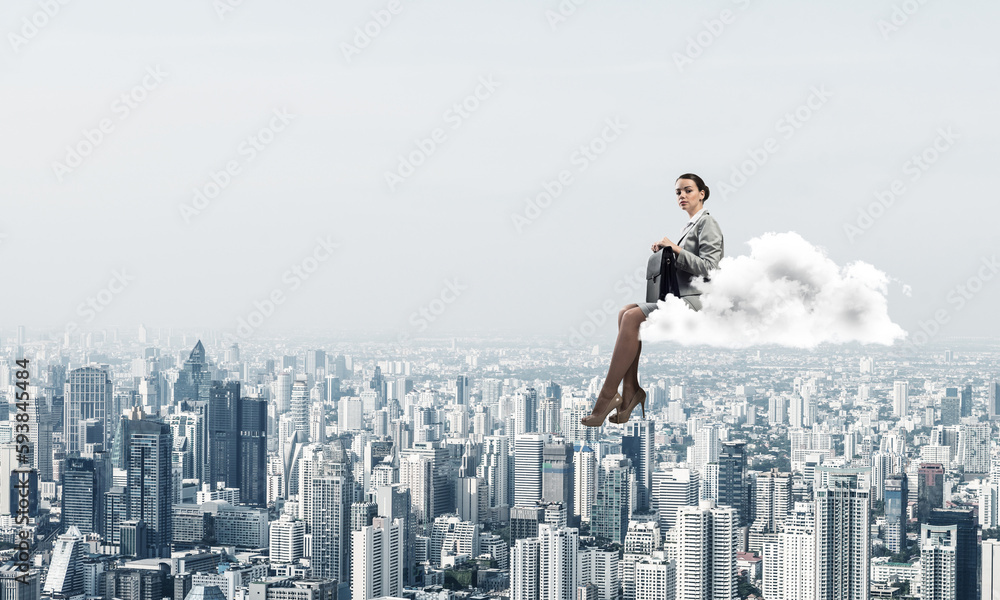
(698, 250)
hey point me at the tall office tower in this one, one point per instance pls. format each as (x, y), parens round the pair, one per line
(609, 516)
(317, 424)
(493, 469)
(462, 390)
(641, 540)
(843, 537)
(377, 560)
(637, 445)
(790, 557)
(966, 403)
(84, 482)
(732, 479)
(525, 413)
(350, 416)
(524, 567)
(900, 398)
(773, 498)
(777, 409)
(549, 415)
(339, 366)
(286, 539)
(194, 379)
(930, 489)
(558, 570)
(150, 483)
(449, 536)
(528, 452)
(706, 448)
(315, 363)
(991, 569)
(895, 512)
(65, 576)
(951, 410)
(472, 496)
(415, 472)
(524, 521)
(115, 513)
(443, 473)
(993, 400)
(673, 489)
(974, 447)
(88, 394)
(253, 451)
(330, 529)
(655, 578)
(706, 557)
(223, 434)
(599, 566)
(300, 406)
(362, 514)
(188, 429)
(557, 476)
(938, 560)
(966, 546)
(281, 391)
(796, 411)
(585, 480)
(394, 504)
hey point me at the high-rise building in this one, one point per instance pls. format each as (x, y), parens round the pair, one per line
(462, 390)
(194, 379)
(493, 468)
(65, 576)
(966, 546)
(415, 474)
(253, 451)
(599, 566)
(896, 494)
(150, 482)
(585, 479)
(843, 537)
(16, 584)
(790, 557)
(300, 406)
(638, 446)
(993, 400)
(88, 398)
(974, 447)
(732, 479)
(951, 409)
(706, 551)
(524, 565)
(330, 527)
(315, 362)
(286, 539)
(930, 489)
(900, 398)
(84, 482)
(528, 452)
(557, 475)
(938, 559)
(223, 435)
(773, 498)
(673, 489)
(281, 390)
(609, 517)
(377, 560)
(991, 569)
(655, 578)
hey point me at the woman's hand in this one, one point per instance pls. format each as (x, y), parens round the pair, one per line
(665, 243)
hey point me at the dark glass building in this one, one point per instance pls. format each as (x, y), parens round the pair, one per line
(967, 555)
(930, 489)
(732, 479)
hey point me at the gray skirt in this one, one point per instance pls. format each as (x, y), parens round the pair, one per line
(693, 301)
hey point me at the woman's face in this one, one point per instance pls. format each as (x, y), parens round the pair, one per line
(689, 197)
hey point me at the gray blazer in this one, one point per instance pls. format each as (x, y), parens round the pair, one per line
(702, 245)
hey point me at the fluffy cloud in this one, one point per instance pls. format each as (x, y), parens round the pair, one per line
(785, 293)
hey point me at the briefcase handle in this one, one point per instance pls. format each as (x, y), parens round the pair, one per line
(669, 283)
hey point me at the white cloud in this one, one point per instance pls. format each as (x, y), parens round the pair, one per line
(786, 293)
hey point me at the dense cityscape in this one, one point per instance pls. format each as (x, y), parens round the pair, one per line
(145, 464)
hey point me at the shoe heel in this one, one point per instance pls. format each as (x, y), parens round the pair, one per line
(642, 403)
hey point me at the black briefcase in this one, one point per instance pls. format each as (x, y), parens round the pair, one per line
(661, 275)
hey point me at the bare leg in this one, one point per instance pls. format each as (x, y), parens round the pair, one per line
(631, 382)
(626, 351)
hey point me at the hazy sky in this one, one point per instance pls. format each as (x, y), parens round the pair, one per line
(197, 85)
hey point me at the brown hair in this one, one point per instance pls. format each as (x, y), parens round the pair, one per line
(698, 181)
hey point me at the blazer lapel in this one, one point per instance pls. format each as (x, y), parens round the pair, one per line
(693, 225)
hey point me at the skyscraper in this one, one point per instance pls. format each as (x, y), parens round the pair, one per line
(896, 493)
(377, 560)
(84, 482)
(966, 546)
(300, 406)
(609, 517)
(790, 557)
(900, 398)
(732, 479)
(638, 447)
(222, 423)
(528, 450)
(930, 489)
(993, 400)
(253, 451)
(951, 410)
(673, 489)
(843, 544)
(65, 576)
(330, 527)
(706, 551)
(462, 390)
(194, 380)
(493, 468)
(524, 565)
(88, 396)
(938, 559)
(150, 484)
(557, 562)
(557, 475)
(774, 502)
(584, 481)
